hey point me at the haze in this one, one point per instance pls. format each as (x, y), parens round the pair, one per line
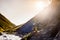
(20, 11)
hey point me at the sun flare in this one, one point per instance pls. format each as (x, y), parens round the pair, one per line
(41, 4)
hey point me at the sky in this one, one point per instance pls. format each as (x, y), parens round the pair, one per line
(20, 11)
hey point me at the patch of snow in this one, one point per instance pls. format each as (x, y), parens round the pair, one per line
(9, 37)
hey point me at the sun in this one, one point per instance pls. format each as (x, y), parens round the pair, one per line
(41, 4)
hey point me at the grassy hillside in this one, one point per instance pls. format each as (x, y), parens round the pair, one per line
(5, 24)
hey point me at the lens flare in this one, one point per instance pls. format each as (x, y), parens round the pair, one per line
(41, 4)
